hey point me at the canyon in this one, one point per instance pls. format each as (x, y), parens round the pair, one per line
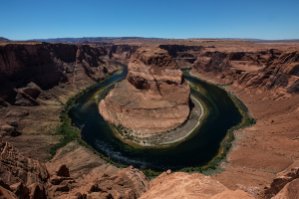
(39, 79)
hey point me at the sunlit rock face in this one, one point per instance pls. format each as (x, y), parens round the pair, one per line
(152, 99)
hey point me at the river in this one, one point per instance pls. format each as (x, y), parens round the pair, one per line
(200, 148)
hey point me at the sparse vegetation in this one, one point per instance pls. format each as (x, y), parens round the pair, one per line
(66, 130)
(225, 146)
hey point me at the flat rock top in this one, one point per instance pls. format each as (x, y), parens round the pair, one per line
(156, 57)
(164, 97)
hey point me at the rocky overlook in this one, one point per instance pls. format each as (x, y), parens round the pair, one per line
(153, 91)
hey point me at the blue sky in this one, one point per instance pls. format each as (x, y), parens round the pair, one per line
(263, 19)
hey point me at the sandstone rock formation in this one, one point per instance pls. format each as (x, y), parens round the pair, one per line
(152, 99)
(38, 63)
(190, 186)
(8, 129)
(6, 194)
(76, 172)
(249, 66)
(127, 183)
(184, 55)
(290, 191)
(48, 65)
(280, 72)
(266, 69)
(28, 95)
(122, 51)
(23, 176)
(286, 184)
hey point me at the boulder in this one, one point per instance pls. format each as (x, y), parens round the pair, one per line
(27, 96)
(9, 130)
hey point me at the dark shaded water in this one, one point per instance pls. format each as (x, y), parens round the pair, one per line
(196, 151)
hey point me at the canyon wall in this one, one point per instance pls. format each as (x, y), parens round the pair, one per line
(47, 65)
(267, 69)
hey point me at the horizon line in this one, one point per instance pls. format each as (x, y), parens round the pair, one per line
(144, 37)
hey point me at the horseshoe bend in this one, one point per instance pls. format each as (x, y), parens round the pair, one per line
(188, 116)
(155, 106)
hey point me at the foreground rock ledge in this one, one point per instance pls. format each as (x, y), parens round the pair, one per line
(190, 186)
(153, 99)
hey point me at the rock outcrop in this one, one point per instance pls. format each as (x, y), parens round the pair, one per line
(123, 52)
(28, 95)
(190, 186)
(21, 64)
(184, 55)
(6, 194)
(280, 72)
(23, 176)
(47, 65)
(128, 183)
(94, 179)
(9, 130)
(153, 91)
(290, 191)
(286, 184)
(90, 176)
(267, 69)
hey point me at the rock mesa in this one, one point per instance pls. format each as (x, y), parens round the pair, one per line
(153, 91)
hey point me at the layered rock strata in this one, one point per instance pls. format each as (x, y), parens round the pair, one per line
(286, 184)
(265, 69)
(23, 177)
(48, 65)
(152, 99)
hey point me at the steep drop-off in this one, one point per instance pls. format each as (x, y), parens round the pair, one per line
(268, 69)
(47, 65)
